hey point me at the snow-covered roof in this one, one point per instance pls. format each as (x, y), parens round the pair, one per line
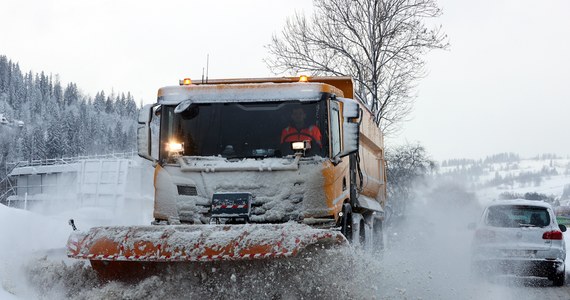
(521, 202)
(248, 92)
(32, 170)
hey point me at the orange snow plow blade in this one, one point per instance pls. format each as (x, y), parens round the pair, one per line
(112, 250)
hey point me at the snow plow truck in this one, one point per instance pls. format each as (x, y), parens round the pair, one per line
(250, 169)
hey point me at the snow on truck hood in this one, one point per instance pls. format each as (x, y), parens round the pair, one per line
(258, 92)
(218, 163)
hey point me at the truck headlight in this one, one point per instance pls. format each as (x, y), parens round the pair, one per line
(174, 148)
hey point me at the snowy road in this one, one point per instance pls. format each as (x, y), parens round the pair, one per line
(426, 259)
(522, 288)
(443, 273)
(429, 258)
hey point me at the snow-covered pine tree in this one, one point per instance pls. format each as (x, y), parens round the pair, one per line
(61, 121)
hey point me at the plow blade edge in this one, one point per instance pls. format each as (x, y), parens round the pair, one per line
(121, 245)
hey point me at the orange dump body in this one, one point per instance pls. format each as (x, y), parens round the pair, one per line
(113, 250)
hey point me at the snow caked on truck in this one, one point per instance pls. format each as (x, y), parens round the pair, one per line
(250, 169)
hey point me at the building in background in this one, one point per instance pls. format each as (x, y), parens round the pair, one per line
(117, 183)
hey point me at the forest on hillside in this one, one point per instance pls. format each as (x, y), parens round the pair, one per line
(45, 118)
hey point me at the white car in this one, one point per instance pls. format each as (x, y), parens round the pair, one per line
(520, 237)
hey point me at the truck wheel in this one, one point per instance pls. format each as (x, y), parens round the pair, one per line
(378, 238)
(362, 234)
(346, 222)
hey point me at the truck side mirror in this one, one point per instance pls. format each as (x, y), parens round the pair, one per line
(351, 126)
(144, 144)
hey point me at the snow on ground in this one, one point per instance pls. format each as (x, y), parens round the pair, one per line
(28, 236)
(33, 266)
(544, 176)
(24, 235)
(427, 257)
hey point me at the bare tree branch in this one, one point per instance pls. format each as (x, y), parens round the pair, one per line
(379, 43)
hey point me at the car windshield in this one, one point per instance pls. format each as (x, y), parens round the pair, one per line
(517, 216)
(246, 130)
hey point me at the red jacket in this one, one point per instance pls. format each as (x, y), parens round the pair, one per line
(292, 134)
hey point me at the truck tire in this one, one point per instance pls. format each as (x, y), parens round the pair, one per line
(346, 222)
(378, 238)
(362, 235)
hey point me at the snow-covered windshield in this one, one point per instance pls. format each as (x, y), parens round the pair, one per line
(240, 130)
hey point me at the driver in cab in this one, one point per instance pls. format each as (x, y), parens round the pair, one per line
(298, 131)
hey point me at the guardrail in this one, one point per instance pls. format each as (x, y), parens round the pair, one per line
(70, 160)
(7, 187)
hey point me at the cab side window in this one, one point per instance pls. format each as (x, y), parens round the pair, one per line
(334, 113)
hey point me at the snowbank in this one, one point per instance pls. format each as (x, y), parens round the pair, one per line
(24, 235)
(27, 237)
(31, 255)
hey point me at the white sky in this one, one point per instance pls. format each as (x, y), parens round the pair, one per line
(500, 88)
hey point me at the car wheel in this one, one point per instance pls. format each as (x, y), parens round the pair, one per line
(559, 278)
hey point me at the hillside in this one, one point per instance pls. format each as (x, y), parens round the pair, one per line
(43, 118)
(58, 119)
(507, 175)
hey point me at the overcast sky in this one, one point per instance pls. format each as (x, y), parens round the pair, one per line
(503, 86)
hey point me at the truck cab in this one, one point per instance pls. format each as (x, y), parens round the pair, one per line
(284, 144)
(249, 169)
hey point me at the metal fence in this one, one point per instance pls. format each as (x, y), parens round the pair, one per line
(8, 184)
(70, 160)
